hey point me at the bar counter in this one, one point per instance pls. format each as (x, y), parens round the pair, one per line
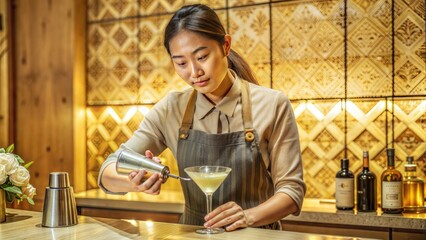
(22, 224)
(313, 210)
(317, 216)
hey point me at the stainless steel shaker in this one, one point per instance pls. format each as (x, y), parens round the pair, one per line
(59, 208)
(129, 161)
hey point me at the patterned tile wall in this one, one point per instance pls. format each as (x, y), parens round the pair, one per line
(107, 128)
(369, 44)
(410, 47)
(308, 49)
(251, 39)
(298, 47)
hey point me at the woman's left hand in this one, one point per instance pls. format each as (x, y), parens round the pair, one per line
(230, 215)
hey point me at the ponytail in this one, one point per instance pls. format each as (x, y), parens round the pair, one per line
(241, 67)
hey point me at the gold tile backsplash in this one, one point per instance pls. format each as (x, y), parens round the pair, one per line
(369, 48)
(254, 47)
(307, 49)
(350, 92)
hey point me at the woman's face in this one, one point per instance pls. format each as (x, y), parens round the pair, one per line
(202, 63)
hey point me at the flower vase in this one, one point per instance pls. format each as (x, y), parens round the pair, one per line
(2, 205)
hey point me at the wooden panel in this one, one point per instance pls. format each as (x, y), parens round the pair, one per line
(43, 60)
(123, 214)
(353, 231)
(79, 96)
(5, 115)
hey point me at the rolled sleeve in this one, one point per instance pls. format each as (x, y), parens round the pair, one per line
(285, 155)
(112, 159)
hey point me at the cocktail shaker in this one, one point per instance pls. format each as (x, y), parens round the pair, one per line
(59, 208)
(129, 161)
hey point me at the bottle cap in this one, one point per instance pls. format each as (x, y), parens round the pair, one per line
(344, 163)
(391, 156)
(390, 152)
(410, 166)
(365, 154)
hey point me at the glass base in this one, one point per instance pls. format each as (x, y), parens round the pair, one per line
(210, 230)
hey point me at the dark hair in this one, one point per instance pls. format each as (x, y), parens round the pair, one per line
(203, 20)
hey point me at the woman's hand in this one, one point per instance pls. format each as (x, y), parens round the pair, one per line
(144, 181)
(230, 215)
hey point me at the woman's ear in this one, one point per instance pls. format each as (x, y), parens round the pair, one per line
(227, 44)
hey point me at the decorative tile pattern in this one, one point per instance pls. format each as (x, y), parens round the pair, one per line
(367, 132)
(149, 7)
(112, 63)
(250, 39)
(157, 75)
(127, 64)
(410, 44)
(308, 49)
(369, 48)
(321, 129)
(321, 132)
(107, 129)
(111, 9)
(410, 128)
(233, 3)
(211, 3)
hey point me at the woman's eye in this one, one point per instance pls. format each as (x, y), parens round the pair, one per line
(180, 64)
(202, 58)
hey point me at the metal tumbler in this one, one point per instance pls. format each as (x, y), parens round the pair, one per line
(59, 209)
(129, 161)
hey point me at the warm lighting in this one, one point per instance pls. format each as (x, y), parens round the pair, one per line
(130, 113)
(149, 227)
(315, 111)
(144, 110)
(113, 114)
(149, 223)
(300, 109)
(133, 222)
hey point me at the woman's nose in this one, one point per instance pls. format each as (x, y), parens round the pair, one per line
(196, 71)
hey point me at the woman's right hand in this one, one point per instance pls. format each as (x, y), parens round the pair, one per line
(142, 183)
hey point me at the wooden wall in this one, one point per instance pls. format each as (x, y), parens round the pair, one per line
(4, 75)
(49, 88)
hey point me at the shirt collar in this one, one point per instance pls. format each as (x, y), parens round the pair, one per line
(227, 105)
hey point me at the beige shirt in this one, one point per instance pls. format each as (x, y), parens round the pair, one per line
(273, 120)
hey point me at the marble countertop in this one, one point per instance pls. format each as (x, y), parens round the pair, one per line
(22, 224)
(324, 211)
(313, 210)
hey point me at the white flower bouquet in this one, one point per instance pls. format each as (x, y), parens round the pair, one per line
(15, 177)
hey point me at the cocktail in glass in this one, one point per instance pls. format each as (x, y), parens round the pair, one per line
(208, 179)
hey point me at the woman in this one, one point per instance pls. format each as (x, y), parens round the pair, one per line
(223, 120)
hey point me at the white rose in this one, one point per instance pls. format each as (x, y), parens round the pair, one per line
(9, 161)
(3, 175)
(21, 177)
(29, 190)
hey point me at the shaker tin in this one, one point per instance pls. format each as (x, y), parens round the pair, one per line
(129, 161)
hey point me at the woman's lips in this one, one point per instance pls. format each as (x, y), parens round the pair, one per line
(201, 83)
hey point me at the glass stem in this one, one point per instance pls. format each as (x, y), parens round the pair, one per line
(209, 202)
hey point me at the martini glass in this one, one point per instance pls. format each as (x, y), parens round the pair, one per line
(208, 179)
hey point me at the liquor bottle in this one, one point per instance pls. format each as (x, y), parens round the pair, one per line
(413, 194)
(366, 187)
(344, 187)
(391, 186)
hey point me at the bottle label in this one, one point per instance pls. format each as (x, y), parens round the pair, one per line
(344, 192)
(391, 194)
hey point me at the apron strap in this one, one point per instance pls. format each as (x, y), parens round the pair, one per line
(188, 116)
(245, 109)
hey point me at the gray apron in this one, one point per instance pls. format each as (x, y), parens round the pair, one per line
(248, 184)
